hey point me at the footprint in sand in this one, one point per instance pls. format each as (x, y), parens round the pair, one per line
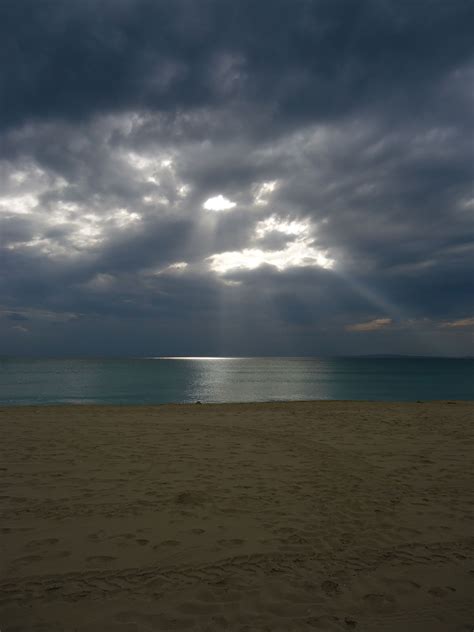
(351, 623)
(439, 592)
(324, 622)
(122, 536)
(145, 621)
(285, 530)
(232, 542)
(33, 545)
(190, 498)
(403, 586)
(28, 559)
(196, 608)
(379, 602)
(100, 559)
(167, 543)
(99, 535)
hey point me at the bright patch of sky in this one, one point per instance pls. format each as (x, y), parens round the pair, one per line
(218, 203)
(298, 252)
(264, 191)
(276, 224)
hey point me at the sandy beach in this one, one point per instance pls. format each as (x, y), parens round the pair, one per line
(275, 517)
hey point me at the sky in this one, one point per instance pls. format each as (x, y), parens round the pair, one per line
(216, 177)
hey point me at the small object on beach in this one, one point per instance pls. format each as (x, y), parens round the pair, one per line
(330, 587)
(198, 402)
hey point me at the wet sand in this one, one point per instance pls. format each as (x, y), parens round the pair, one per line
(277, 517)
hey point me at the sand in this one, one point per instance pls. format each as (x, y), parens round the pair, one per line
(278, 517)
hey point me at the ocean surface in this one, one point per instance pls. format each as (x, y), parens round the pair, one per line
(162, 380)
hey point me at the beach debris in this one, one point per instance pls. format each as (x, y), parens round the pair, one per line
(330, 588)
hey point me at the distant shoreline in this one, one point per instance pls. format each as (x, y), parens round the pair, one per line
(289, 402)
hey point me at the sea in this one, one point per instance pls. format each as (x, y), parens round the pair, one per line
(175, 380)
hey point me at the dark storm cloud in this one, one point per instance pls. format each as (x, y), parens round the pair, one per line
(299, 58)
(332, 129)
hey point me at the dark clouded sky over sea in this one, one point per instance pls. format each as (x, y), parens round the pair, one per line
(207, 177)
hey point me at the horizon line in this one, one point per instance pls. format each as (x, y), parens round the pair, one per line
(246, 357)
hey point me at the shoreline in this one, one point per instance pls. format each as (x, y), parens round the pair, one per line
(301, 515)
(268, 402)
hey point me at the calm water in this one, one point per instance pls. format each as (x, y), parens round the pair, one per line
(154, 381)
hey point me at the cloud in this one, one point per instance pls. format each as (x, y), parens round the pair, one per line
(371, 325)
(318, 58)
(459, 324)
(249, 175)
